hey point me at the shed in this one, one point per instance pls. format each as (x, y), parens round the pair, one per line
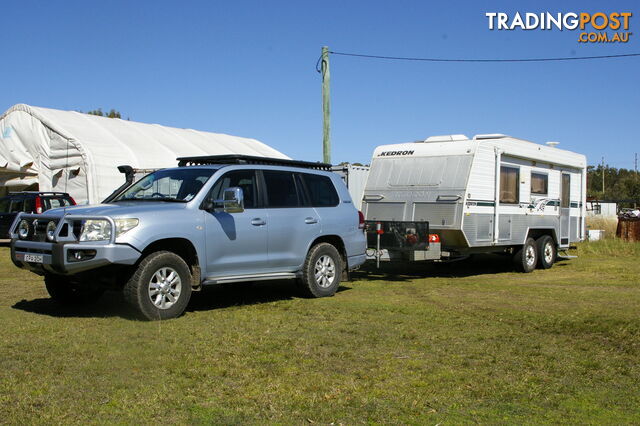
(78, 153)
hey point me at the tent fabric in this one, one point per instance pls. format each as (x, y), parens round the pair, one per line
(79, 153)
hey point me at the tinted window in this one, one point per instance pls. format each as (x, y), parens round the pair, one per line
(4, 205)
(30, 205)
(321, 191)
(244, 179)
(539, 183)
(281, 189)
(17, 205)
(509, 185)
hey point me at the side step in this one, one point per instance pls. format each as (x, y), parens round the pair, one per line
(252, 277)
(565, 254)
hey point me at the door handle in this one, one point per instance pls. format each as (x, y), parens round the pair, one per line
(258, 222)
(310, 220)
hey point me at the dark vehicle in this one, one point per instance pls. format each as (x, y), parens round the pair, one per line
(29, 202)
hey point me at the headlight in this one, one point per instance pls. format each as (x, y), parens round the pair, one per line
(51, 230)
(95, 230)
(125, 225)
(23, 229)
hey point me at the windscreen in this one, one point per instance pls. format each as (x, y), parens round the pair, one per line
(179, 185)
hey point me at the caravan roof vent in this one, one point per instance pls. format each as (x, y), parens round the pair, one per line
(446, 138)
(490, 136)
(552, 144)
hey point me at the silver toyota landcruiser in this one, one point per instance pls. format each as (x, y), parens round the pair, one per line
(212, 220)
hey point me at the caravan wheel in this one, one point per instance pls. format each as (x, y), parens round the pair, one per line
(547, 252)
(526, 258)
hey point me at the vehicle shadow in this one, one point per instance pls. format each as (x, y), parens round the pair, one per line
(244, 294)
(113, 304)
(478, 264)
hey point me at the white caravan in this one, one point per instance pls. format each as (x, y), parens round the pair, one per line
(450, 196)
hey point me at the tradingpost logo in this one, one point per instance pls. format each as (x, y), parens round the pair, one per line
(592, 27)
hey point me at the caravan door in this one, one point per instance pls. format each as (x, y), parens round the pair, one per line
(565, 208)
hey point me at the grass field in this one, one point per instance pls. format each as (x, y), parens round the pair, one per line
(441, 344)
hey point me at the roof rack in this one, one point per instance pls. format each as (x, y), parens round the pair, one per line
(37, 192)
(248, 159)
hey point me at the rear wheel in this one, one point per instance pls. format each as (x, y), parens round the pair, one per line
(526, 258)
(161, 286)
(321, 271)
(67, 292)
(547, 252)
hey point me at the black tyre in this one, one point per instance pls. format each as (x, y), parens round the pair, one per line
(547, 252)
(67, 292)
(161, 286)
(322, 271)
(526, 258)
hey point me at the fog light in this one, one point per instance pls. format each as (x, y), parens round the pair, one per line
(80, 255)
(23, 229)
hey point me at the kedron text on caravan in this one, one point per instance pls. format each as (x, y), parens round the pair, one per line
(593, 26)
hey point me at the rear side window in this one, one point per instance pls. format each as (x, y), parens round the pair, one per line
(55, 202)
(4, 205)
(321, 190)
(17, 205)
(30, 205)
(281, 189)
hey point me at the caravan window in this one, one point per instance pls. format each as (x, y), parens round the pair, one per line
(509, 188)
(539, 183)
(566, 185)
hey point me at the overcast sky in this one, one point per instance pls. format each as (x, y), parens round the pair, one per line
(248, 68)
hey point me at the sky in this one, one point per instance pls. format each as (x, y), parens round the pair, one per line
(247, 68)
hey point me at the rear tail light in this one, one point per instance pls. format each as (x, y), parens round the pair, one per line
(360, 220)
(38, 205)
(434, 238)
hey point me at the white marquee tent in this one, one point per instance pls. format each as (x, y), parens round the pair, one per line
(79, 153)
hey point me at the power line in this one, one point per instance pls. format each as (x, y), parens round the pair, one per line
(403, 58)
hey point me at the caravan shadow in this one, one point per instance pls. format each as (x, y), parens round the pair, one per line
(478, 264)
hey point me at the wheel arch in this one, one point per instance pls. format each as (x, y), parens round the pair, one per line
(536, 233)
(337, 242)
(183, 248)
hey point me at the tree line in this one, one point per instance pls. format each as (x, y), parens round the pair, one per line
(619, 184)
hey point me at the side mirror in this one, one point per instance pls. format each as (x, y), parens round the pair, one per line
(232, 200)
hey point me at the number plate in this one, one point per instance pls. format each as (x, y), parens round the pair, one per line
(34, 258)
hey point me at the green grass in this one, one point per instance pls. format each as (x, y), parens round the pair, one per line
(460, 343)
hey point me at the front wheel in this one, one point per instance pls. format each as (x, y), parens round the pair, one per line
(66, 292)
(161, 286)
(526, 258)
(321, 271)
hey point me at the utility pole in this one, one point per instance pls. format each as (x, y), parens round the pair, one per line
(326, 107)
(602, 177)
(635, 166)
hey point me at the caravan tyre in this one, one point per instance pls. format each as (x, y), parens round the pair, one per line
(526, 258)
(547, 252)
